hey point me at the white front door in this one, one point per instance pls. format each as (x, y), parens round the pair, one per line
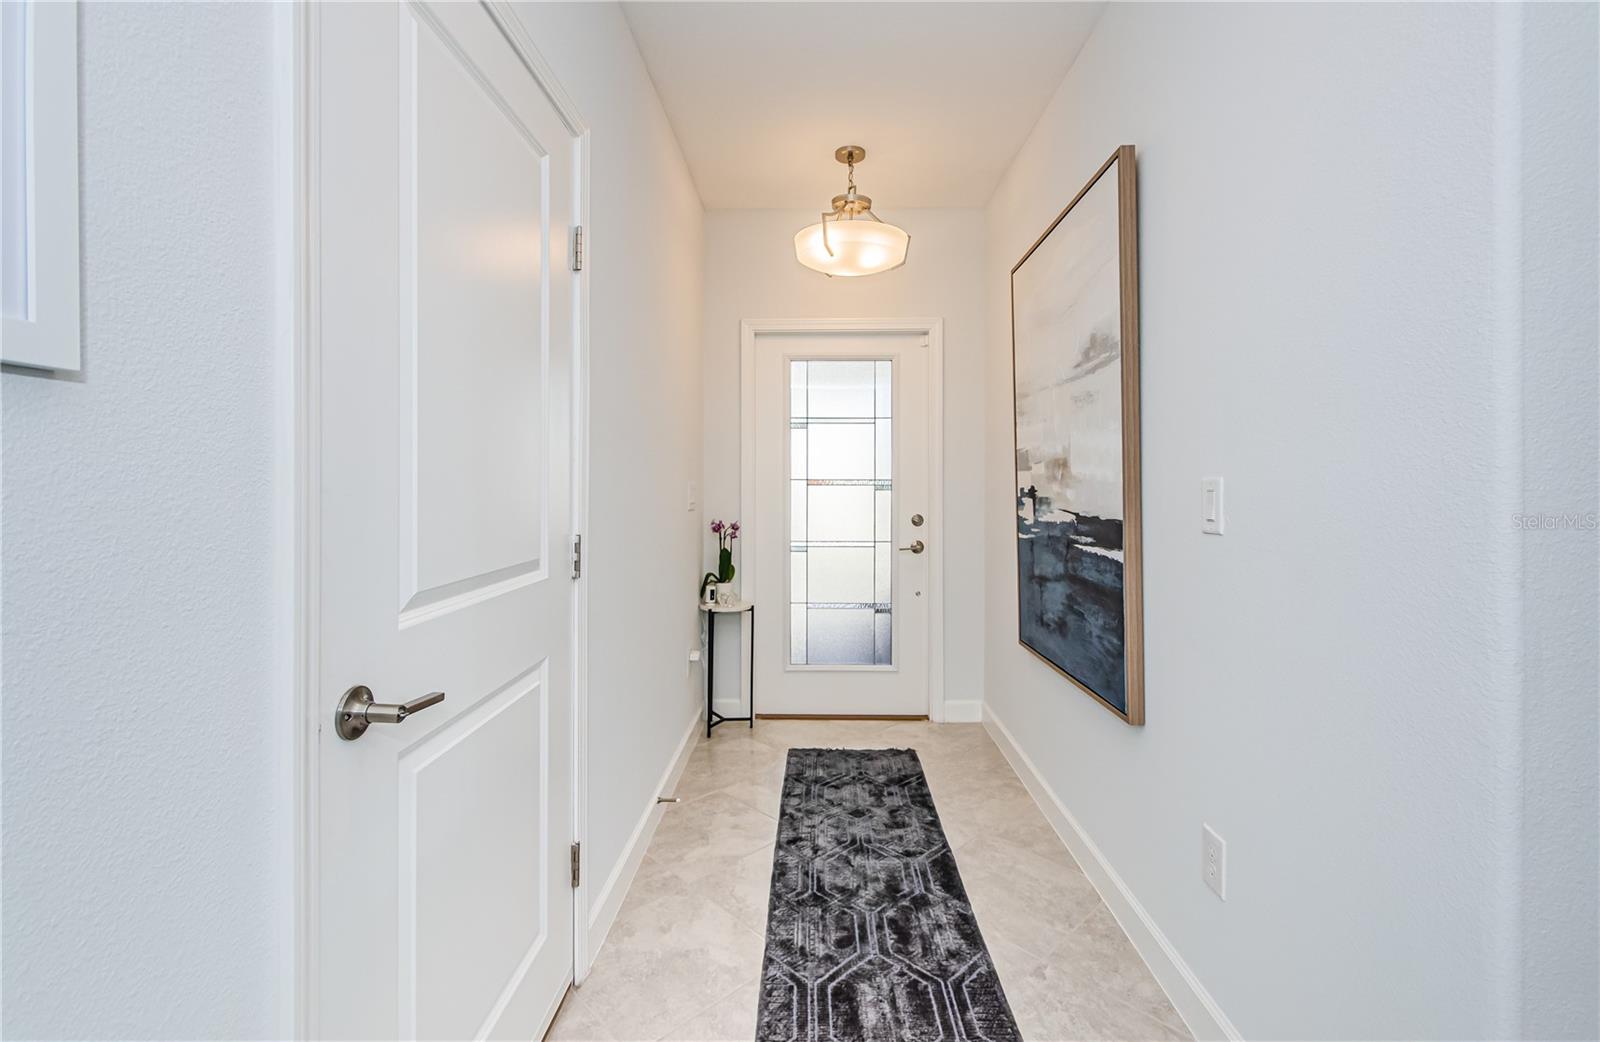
(442, 311)
(841, 495)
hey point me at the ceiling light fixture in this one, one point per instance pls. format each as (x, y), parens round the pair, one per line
(840, 244)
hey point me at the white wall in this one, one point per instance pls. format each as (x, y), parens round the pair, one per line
(643, 546)
(1560, 154)
(1330, 308)
(144, 853)
(751, 273)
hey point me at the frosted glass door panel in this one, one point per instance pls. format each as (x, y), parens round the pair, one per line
(844, 451)
(840, 389)
(840, 636)
(840, 574)
(839, 513)
(841, 494)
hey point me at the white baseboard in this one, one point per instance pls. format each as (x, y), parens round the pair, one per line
(963, 712)
(1189, 997)
(608, 902)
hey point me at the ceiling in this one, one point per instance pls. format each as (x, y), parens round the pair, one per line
(941, 95)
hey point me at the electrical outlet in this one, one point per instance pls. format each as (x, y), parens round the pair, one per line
(1214, 861)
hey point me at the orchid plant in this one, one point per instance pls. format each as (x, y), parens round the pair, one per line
(726, 532)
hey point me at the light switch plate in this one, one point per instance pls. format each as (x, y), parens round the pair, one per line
(1211, 506)
(1214, 861)
(693, 496)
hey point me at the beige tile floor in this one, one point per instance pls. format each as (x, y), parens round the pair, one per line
(684, 957)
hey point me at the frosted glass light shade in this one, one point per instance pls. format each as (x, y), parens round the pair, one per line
(860, 247)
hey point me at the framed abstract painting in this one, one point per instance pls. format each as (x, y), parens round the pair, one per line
(1075, 368)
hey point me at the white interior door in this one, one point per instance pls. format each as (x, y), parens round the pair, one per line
(842, 483)
(444, 185)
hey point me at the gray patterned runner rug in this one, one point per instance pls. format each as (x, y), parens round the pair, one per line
(869, 934)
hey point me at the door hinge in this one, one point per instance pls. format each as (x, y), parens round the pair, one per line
(577, 247)
(577, 557)
(577, 862)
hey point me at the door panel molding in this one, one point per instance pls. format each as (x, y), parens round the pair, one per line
(411, 766)
(298, 31)
(933, 329)
(425, 597)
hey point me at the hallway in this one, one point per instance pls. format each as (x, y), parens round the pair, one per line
(683, 959)
(418, 418)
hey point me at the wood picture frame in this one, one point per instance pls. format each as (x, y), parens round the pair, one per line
(1080, 577)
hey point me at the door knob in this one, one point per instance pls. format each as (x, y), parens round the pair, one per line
(357, 711)
(916, 546)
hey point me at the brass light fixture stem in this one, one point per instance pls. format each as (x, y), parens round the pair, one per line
(851, 203)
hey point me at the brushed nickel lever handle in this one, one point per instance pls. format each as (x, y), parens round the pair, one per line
(916, 546)
(357, 711)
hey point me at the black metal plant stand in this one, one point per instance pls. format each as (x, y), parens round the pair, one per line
(713, 718)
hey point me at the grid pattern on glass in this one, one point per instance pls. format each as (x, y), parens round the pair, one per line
(841, 490)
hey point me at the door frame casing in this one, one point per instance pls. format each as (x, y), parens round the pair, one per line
(297, 567)
(933, 329)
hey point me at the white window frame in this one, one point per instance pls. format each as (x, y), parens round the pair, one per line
(41, 152)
